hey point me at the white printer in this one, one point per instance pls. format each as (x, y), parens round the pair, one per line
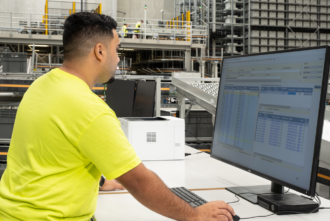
(156, 138)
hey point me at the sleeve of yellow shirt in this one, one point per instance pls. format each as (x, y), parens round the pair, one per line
(104, 143)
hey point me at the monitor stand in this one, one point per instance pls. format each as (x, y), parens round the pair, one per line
(250, 193)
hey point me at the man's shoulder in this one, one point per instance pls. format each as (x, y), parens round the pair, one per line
(67, 94)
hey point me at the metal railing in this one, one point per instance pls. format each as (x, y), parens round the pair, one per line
(25, 23)
(52, 24)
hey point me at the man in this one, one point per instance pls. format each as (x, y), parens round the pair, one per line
(65, 137)
(138, 28)
(124, 30)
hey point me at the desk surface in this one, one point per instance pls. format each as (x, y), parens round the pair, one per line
(195, 172)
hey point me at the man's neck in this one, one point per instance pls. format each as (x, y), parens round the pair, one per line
(78, 71)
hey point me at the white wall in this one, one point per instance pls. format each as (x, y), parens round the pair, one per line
(135, 8)
(37, 6)
(25, 6)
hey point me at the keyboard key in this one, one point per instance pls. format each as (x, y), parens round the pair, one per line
(188, 196)
(193, 204)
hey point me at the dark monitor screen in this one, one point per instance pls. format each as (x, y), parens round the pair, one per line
(144, 105)
(270, 113)
(120, 97)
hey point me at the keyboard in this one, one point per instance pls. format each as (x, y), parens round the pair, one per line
(188, 196)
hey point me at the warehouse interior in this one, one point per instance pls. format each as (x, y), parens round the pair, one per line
(173, 56)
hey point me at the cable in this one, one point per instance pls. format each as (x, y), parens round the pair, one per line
(238, 199)
(252, 217)
(236, 195)
(200, 142)
(189, 154)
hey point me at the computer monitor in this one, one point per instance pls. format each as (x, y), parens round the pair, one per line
(120, 97)
(144, 104)
(269, 118)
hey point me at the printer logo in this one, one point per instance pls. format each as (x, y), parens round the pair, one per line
(151, 137)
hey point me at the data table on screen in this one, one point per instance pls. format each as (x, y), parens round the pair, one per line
(282, 131)
(238, 115)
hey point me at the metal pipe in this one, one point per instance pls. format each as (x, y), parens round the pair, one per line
(195, 16)
(214, 25)
(83, 5)
(5, 141)
(151, 70)
(145, 70)
(33, 51)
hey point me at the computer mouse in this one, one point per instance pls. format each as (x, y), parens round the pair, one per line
(236, 218)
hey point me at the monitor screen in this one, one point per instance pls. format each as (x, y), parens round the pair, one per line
(120, 97)
(144, 104)
(268, 113)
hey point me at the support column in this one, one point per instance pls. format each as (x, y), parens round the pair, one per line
(203, 52)
(214, 26)
(216, 69)
(187, 59)
(195, 14)
(182, 105)
(203, 69)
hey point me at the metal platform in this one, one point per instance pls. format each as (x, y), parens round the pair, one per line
(16, 38)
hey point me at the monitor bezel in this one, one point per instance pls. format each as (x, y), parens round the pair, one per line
(319, 127)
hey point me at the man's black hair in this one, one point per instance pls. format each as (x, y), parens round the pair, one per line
(83, 30)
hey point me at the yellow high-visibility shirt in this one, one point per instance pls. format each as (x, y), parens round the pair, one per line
(64, 138)
(124, 29)
(138, 26)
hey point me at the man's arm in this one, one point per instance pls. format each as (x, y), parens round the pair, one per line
(150, 191)
(110, 185)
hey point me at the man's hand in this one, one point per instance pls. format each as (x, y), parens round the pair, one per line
(111, 185)
(215, 211)
(149, 190)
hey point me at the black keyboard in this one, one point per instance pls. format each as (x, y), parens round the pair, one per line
(188, 196)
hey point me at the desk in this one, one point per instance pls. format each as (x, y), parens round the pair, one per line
(195, 172)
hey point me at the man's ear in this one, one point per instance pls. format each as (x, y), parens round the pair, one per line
(99, 51)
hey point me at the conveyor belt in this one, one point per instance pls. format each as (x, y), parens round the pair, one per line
(203, 94)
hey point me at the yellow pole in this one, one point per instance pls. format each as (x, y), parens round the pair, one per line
(46, 12)
(177, 22)
(69, 11)
(167, 24)
(188, 23)
(73, 7)
(100, 9)
(182, 21)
